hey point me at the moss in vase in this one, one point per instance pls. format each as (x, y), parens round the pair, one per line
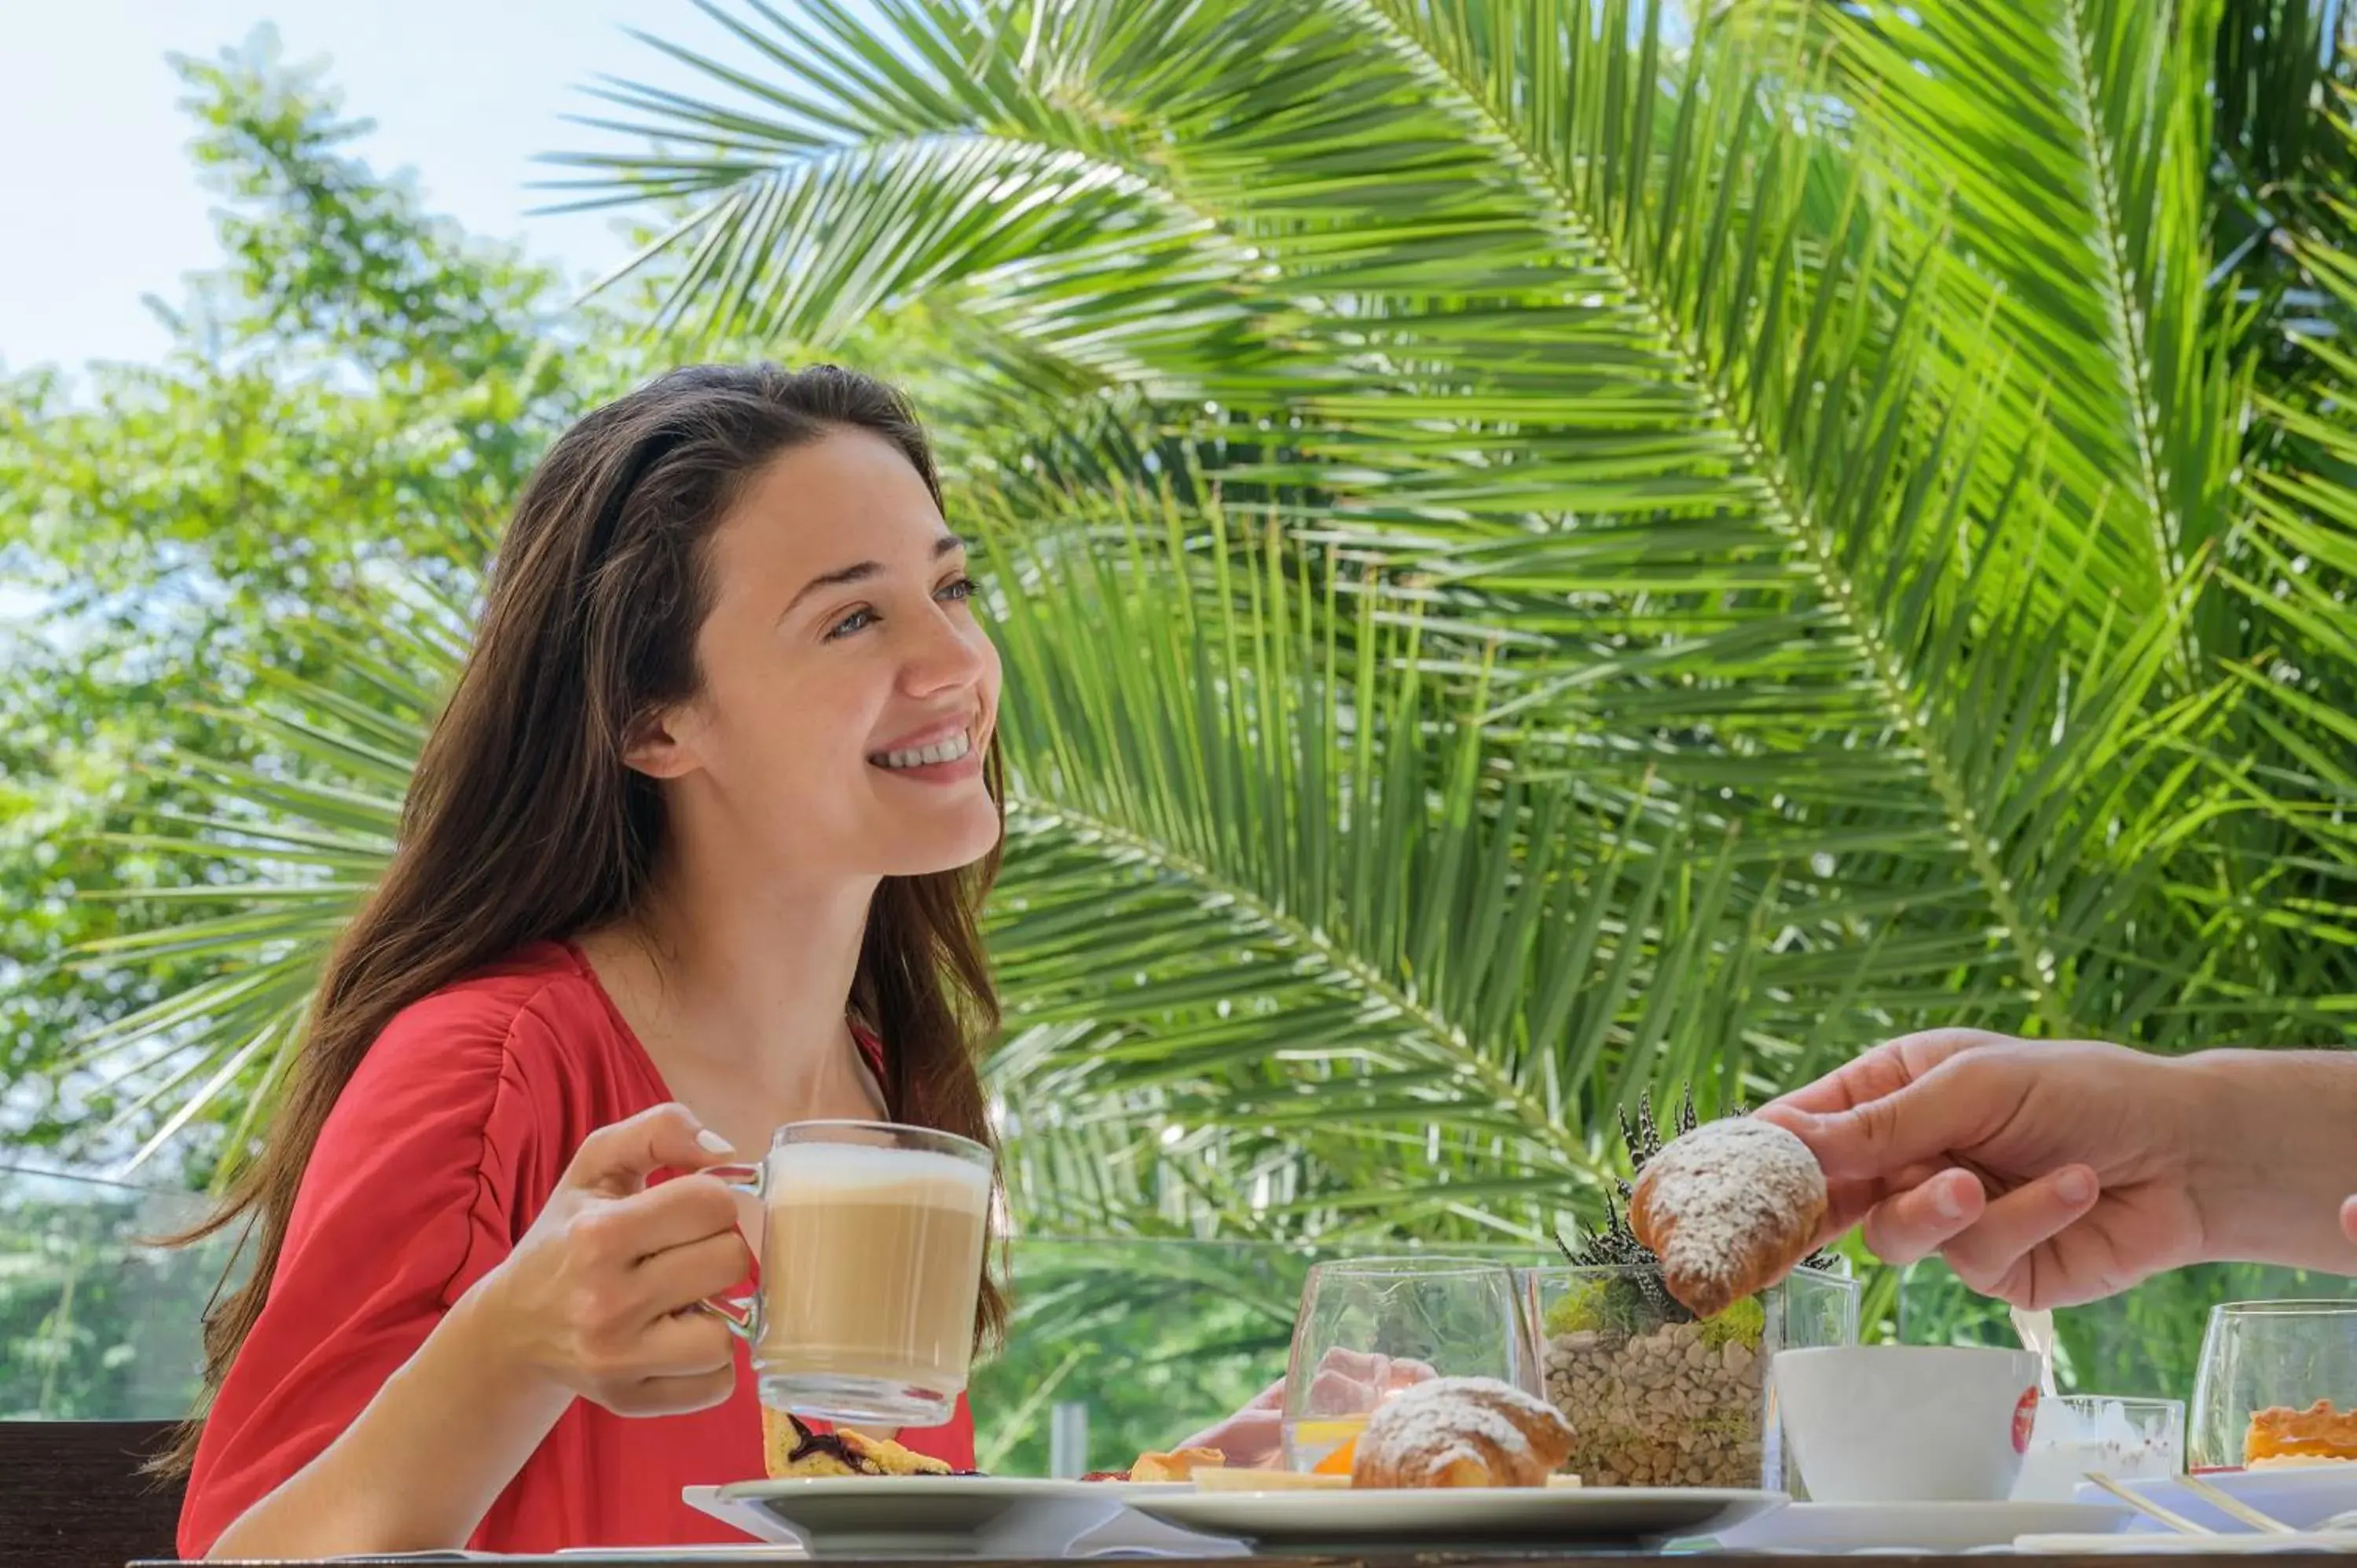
(1581, 1306)
(1745, 1324)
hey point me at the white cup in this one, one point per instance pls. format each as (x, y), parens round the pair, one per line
(1885, 1423)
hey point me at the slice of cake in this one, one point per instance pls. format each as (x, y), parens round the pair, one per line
(790, 1449)
(2281, 1434)
(1178, 1467)
(1163, 1468)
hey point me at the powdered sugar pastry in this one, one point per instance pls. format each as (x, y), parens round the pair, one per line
(1462, 1431)
(1728, 1209)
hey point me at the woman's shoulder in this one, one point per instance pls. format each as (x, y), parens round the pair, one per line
(502, 1071)
(539, 1001)
(532, 1030)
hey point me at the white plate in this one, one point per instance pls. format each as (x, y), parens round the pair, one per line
(1354, 1520)
(1131, 1534)
(1921, 1527)
(742, 1552)
(915, 1516)
(2302, 1495)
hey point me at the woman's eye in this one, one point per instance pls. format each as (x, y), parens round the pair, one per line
(857, 621)
(961, 589)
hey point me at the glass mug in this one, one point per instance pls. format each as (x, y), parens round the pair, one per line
(872, 1237)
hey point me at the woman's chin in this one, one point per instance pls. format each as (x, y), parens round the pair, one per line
(951, 841)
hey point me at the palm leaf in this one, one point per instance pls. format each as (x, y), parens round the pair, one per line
(2063, 144)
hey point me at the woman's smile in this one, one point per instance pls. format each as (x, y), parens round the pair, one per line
(946, 760)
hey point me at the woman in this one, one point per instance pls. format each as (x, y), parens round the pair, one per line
(695, 849)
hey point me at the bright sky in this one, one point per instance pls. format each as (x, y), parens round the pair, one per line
(98, 202)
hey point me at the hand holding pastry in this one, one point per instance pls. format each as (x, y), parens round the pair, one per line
(2046, 1172)
(2053, 1172)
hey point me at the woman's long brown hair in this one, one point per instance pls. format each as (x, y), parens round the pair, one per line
(522, 822)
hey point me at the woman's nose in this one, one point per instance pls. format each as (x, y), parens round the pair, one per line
(952, 652)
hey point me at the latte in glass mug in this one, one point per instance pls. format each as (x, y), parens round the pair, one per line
(871, 1263)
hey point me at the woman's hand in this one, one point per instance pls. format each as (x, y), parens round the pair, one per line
(600, 1296)
(596, 1300)
(1253, 1438)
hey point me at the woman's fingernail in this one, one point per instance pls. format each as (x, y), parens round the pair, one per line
(714, 1142)
(2075, 1186)
(1946, 1204)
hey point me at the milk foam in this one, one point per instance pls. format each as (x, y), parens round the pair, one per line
(864, 1172)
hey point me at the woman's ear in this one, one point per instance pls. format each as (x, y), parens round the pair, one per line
(662, 743)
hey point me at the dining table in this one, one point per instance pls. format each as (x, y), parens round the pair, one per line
(1566, 1558)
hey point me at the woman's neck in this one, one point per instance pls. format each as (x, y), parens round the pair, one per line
(738, 983)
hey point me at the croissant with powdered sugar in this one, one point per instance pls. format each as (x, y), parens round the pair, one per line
(1462, 1431)
(1729, 1209)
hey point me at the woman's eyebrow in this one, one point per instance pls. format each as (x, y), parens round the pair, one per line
(861, 571)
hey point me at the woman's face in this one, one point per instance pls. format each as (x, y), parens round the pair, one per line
(849, 693)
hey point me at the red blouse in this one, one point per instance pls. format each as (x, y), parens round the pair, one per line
(436, 1159)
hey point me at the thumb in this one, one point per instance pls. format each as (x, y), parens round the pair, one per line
(1920, 1122)
(618, 1158)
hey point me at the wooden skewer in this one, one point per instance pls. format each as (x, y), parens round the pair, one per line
(2234, 1506)
(2150, 1510)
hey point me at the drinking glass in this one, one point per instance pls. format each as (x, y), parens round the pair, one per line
(2262, 1355)
(1369, 1327)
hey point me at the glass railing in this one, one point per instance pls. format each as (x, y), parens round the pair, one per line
(1117, 1344)
(2143, 1341)
(1120, 1345)
(94, 1326)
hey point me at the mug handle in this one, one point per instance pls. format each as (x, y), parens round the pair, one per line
(742, 1317)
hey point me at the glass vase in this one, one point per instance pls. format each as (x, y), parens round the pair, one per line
(1659, 1400)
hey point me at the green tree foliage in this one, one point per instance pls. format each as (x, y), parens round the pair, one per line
(349, 403)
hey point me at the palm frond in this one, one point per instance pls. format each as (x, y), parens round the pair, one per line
(1266, 906)
(2063, 146)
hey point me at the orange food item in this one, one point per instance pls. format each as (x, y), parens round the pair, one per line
(1178, 1467)
(2320, 1432)
(1338, 1462)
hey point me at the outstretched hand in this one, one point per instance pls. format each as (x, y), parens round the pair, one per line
(1253, 1438)
(2044, 1173)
